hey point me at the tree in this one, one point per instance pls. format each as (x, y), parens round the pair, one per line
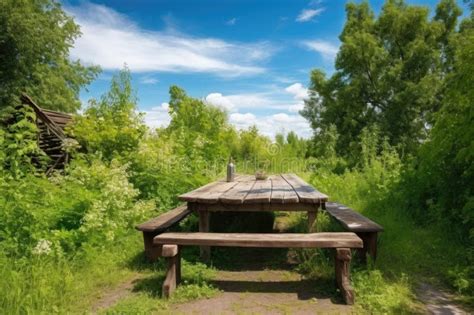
(112, 125)
(389, 72)
(198, 128)
(443, 174)
(35, 38)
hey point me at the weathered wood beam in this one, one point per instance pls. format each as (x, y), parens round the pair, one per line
(342, 265)
(171, 252)
(257, 207)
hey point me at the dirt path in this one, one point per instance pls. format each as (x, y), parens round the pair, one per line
(254, 281)
(264, 292)
(437, 301)
(250, 288)
(114, 296)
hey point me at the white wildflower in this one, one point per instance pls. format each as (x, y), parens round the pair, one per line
(42, 248)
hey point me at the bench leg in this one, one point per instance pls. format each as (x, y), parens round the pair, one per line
(178, 266)
(311, 220)
(152, 252)
(370, 246)
(342, 263)
(173, 273)
(204, 227)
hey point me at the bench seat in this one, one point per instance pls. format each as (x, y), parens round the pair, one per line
(341, 242)
(159, 225)
(353, 221)
(281, 240)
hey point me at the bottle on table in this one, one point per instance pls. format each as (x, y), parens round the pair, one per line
(230, 170)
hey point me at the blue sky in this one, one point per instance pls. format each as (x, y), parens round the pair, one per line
(251, 58)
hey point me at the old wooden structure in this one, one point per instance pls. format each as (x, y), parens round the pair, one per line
(342, 242)
(284, 192)
(353, 221)
(159, 225)
(51, 137)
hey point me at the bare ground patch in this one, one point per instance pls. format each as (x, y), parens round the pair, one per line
(438, 301)
(265, 292)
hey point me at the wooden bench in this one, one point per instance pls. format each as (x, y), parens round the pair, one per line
(159, 225)
(342, 242)
(355, 222)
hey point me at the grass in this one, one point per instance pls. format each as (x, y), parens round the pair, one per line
(146, 297)
(76, 284)
(53, 285)
(408, 254)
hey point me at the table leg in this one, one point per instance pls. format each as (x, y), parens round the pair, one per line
(311, 220)
(204, 227)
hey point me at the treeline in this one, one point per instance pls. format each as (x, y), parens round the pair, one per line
(406, 77)
(392, 125)
(402, 84)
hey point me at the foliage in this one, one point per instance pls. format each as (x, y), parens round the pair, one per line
(55, 283)
(403, 84)
(35, 38)
(200, 130)
(442, 175)
(387, 286)
(111, 126)
(93, 204)
(377, 295)
(19, 152)
(389, 71)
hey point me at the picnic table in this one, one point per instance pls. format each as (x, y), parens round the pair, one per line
(283, 192)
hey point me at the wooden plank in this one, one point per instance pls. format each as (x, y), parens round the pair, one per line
(237, 193)
(152, 252)
(282, 192)
(311, 220)
(55, 113)
(350, 219)
(212, 195)
(261, 192)
(252, 207)
(305, 192)
(370, 245)
(169, 250)
(211, 192)
(194, 194)
(204, 224)
(343, 275)
(165, 220)
(282, 240)
(171, 280)
(41, 115)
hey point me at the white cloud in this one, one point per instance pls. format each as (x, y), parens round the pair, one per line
(327, 49)
(307, 15)
(246, 119)
(231, 21)
(149, 80)
(243, 109)
(157, 116)
(300, 93)
(298, 90)
(268, 125)
(296, 107)
(234, 102)
(315, 2)
(274, 99)
(110, 39)
(273, 124)
(217, 99)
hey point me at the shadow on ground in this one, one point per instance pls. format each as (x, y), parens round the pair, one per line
(304, 289)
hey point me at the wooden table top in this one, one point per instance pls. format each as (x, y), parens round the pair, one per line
(245, 189)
